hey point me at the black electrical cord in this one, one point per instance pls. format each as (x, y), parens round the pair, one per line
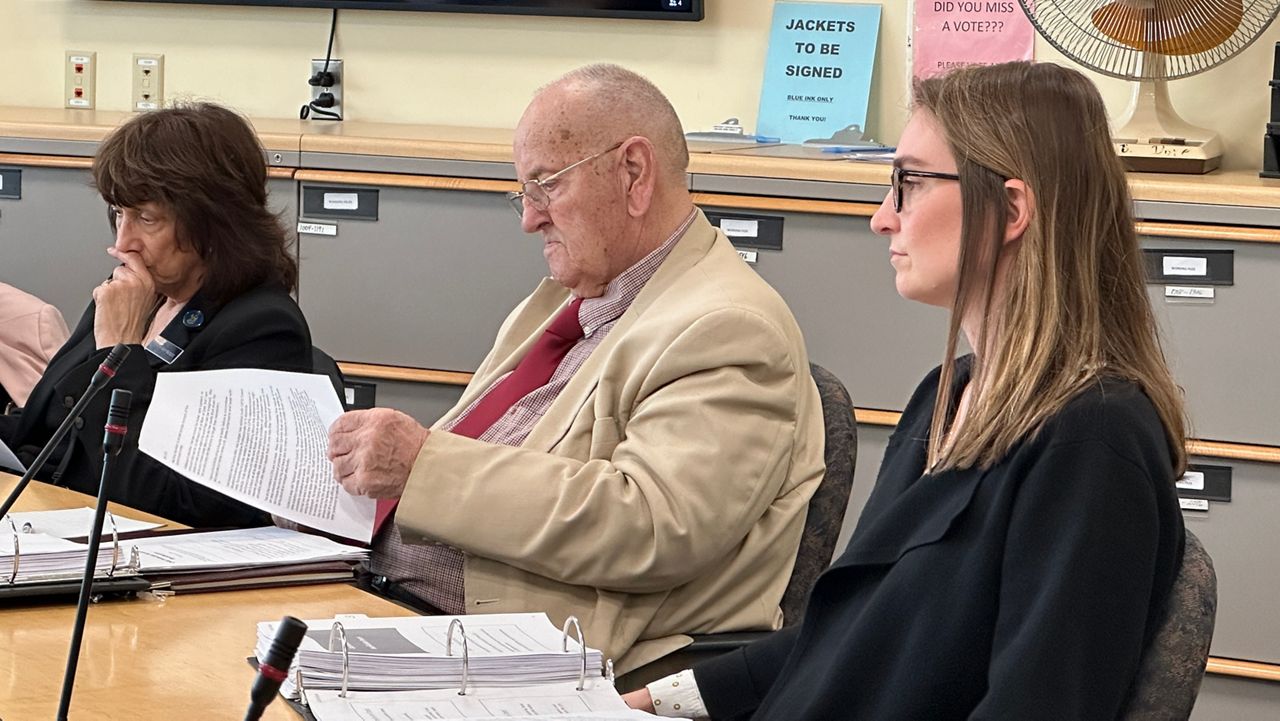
(323, 79)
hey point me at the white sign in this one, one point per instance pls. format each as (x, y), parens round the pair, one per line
(1188, 291)
(1192, 481)
(748, 255)
(341, 201)
(1175, 265)
(317, 229)
(78, 102)
(737, 228)
(1193, 504)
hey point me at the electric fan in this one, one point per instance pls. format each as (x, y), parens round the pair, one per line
(1151, 42)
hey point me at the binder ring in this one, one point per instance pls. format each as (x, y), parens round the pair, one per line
(448, 651)
(17, 554)
(297, 681)
(582, 647)
(340, 634)
(115, 545)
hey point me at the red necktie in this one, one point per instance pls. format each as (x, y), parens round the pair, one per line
(532, 372)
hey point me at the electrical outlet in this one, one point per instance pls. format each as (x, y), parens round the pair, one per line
(148, 81)
(326, 91)
(79, 71)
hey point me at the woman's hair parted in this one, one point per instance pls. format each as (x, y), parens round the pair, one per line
(204, 165)
(1074, 305)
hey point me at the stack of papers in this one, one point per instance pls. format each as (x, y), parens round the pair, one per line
(42, 557)
(244, 558)
(395, 654)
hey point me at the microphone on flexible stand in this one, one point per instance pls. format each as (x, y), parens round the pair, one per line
(101, 377)
(273, 669)
(112, 442)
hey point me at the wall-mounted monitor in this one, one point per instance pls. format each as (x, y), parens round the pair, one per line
(637, 9)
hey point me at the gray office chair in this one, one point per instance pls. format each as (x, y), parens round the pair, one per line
(817, 543)
(1173, 665)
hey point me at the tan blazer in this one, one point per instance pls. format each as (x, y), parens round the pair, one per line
(31, 332)
(665, 490)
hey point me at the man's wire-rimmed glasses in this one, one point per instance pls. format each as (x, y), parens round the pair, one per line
(534, 191)
(895, 184)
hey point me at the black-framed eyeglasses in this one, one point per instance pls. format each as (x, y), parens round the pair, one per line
(895, 184)
(534, 191)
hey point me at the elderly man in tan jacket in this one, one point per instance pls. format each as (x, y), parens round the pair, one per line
(31, 331)
(639, 447)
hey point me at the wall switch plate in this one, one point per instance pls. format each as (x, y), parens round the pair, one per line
(337, 109)
(79, 70)
(148, 81)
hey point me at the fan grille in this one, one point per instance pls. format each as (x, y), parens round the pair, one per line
(1122, 38)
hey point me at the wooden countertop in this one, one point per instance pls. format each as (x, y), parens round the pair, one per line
(181, 657)
(94, 125)
(1238, 188)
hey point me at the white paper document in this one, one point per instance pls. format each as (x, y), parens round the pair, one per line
(75, 523)
(238, 548)
(260, 437)
(9, 461)
(598, 700)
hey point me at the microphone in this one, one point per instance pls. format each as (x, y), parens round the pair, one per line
(273, 669)
(113, 441)
(106, 371)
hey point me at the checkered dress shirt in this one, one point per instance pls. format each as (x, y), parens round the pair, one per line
(434, 572)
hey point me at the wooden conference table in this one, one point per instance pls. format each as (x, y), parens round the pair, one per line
(178, 658)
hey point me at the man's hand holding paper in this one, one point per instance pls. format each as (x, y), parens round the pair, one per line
(372, 451)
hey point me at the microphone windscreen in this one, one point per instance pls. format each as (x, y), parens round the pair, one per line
(285, 644)
(118, 411)
(116, 357)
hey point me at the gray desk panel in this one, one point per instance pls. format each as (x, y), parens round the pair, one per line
(413, 166)
(1206, 213)
(1228, 698)
(1223, 353)
(1242, 537)
(41, 146)
(785, 188)
(835, 275)
(53, 241)
(426, 285)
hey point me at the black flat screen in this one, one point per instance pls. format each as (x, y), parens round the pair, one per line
(637, 9)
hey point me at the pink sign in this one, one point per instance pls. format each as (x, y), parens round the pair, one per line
(951, 33)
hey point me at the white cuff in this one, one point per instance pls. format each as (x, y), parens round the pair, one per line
(677, 696)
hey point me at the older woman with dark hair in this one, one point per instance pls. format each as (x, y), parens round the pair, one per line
(203, 282)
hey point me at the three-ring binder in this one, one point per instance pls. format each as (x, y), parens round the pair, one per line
(455, 634)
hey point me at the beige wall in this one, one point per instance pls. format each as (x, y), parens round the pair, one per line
(481, 69)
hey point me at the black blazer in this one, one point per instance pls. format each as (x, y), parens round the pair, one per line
(263, 328)
(1027, 591)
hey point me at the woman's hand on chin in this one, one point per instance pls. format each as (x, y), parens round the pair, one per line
(124, 302)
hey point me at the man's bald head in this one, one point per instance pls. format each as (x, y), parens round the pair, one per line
(594, 106)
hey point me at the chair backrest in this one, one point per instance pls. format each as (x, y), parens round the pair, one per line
(1173, 665)
(826, 508)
